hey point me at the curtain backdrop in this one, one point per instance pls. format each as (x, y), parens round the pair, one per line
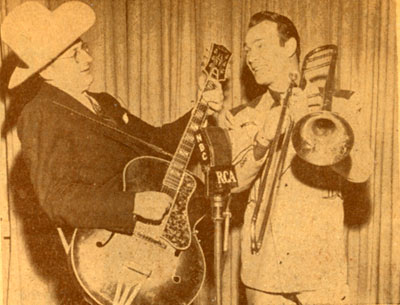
(149, 53)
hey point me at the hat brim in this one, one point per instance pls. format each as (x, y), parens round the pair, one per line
(20, 75)
(69, 30)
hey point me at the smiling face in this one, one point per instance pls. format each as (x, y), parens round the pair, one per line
(266, 58)
(71, 70)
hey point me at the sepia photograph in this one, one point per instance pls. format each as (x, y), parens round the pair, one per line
(205, 152)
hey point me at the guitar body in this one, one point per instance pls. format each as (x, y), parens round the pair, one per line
(163, 261)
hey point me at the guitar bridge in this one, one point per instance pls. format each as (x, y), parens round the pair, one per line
(151, 240)
(139, 269)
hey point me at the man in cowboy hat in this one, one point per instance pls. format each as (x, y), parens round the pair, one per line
(76, 143)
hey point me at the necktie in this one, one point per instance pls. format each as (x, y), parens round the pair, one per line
(95, 106)
(100, 111)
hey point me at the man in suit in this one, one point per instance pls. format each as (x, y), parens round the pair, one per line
(76, 143)
(302, 258)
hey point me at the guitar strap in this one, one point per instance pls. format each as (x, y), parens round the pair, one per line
(129, 136)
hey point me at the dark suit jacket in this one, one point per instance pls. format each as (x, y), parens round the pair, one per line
(76, 159)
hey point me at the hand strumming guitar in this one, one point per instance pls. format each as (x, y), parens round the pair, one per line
(151, 205)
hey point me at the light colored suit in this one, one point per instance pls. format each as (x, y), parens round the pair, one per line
(303, 248)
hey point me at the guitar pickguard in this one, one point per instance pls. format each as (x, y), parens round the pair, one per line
(177, 230)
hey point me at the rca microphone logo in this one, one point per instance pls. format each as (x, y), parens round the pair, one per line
(223, 177)
(226, 177)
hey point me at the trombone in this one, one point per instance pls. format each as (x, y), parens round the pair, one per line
(321, 138)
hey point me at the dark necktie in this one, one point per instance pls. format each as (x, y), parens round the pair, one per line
(100, 112)
(95, 106)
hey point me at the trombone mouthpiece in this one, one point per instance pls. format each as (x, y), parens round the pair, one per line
(294, 76)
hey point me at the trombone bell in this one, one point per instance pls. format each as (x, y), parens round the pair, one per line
(322, 138)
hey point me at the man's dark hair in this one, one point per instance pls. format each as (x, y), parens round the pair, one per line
(286, 28)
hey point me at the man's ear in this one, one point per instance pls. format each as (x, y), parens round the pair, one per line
(290, 47)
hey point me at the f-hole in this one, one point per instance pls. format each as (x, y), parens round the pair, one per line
(101, 244)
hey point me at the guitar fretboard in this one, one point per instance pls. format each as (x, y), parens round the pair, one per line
(180, 161)
(215, 68)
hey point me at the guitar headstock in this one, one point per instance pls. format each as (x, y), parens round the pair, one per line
(217, 62)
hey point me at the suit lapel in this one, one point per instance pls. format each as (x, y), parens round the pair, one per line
(74, 109)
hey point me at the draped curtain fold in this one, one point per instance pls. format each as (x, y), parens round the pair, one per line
(148, 53)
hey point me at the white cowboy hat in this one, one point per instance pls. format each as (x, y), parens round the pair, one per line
(38, 35)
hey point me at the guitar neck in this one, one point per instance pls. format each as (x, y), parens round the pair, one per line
(181, 158)
(215, 68)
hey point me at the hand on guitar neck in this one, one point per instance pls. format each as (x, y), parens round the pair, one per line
(151, 205)
(211, 91)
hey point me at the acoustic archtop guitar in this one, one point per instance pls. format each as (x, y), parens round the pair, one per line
(159, 264)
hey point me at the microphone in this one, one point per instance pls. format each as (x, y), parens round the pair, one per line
(215, 151)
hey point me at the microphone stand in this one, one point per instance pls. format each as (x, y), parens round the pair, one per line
(218, 195)
(216, 159)
(217, 206)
